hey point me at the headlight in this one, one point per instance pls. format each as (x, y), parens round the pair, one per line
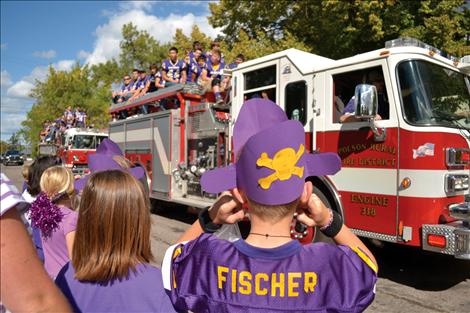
(75, 158)
(456, 182)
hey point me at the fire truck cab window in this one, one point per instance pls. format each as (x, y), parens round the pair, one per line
(296, 101)
(261, 83)
(344, 85)
(259, 78)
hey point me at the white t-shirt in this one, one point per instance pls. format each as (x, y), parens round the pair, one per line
(10, 197)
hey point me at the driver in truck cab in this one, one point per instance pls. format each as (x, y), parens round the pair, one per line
(375, 78)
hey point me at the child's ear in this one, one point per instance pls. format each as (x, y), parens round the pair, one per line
(307, 192)
(239, 195)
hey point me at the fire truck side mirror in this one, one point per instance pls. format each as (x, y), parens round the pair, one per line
(366, 103)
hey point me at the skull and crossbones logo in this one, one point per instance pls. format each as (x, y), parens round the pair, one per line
(283, 163)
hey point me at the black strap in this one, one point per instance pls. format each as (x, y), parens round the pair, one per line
(206, 223)
(333, 229)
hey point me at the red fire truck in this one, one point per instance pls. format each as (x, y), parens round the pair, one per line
(77, 144)
(405, 150)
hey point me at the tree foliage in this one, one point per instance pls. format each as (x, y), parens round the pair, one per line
(338, 29)
(61, 89)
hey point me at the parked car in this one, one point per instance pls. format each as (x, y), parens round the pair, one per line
(13, 157)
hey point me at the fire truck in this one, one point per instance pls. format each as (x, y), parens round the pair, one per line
(405, 148)
(77, 144)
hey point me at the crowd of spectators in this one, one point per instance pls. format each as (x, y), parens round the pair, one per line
(204, 68)
(52, 130)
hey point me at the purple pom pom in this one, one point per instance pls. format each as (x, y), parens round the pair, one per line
(45, 215)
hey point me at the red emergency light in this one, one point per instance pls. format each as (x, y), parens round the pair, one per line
(439, 241)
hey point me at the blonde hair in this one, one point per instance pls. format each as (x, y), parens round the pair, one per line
(272, 213)
(113, 228)
(56, 180)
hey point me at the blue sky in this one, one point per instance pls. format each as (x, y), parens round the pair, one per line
(35, 34)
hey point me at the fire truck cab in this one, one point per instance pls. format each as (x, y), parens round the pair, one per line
(405, 152)
(77, 144)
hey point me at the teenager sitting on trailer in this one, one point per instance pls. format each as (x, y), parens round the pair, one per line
(196, 70)
(196, 46)
(139, 86)
(124, 92)
(215, 48)
(226, 83)
(212, 77)
(173, 69)
(192, 64)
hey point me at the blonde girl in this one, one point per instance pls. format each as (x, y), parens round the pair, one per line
(52, 213)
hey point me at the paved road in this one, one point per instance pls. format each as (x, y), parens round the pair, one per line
(410, 280)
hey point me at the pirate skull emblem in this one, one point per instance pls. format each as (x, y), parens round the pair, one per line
(283, 163)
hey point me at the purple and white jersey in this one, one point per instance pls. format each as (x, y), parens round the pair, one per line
(141, 291)
(213, 275)
(215, 71)
(125, 87)
(173, 70)
(80, 116)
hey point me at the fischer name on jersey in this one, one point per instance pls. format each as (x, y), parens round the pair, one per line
(213, 275)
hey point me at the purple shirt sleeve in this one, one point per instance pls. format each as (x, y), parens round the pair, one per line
(349, 108)
(69, 222)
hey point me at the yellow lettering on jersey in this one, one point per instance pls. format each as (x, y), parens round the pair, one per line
(310, 281)
(234, 281)
(245, 283)
(258, 290)
(293, 285)
(221, 278)
(277, 284)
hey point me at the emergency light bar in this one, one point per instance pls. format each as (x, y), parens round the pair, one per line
(413, 42)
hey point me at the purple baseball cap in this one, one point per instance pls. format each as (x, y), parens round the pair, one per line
(103, 160)
(272, 163)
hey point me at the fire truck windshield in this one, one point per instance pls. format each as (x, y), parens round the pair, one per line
(84, 142)
(433, 95)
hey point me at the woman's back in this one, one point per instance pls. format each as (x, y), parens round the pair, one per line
(140, 292)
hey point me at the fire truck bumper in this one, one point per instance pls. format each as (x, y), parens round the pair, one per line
(452, 238)
(79, 169)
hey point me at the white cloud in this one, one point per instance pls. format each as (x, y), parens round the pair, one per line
(3, 46)
(109, 35)
(82, 54)
(5, 79)
(64, 65)
(49, 54)
(20, 89)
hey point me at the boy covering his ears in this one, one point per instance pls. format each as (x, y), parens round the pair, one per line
(269, 271)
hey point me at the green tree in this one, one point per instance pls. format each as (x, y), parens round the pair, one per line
(139, 49)
(339, 29)
(61, 89)
(3, 146)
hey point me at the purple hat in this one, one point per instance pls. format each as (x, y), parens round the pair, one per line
(109, 147)
(272, 163)
(103, 160)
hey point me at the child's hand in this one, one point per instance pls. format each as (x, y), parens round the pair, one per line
(312, 211)
(226, 210)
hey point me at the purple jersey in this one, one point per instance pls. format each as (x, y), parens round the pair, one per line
(141, 291)
(213, 275)
(215, 71)
(173, 70)
(125, 88)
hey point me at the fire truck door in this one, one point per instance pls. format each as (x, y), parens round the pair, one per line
(367, 181)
